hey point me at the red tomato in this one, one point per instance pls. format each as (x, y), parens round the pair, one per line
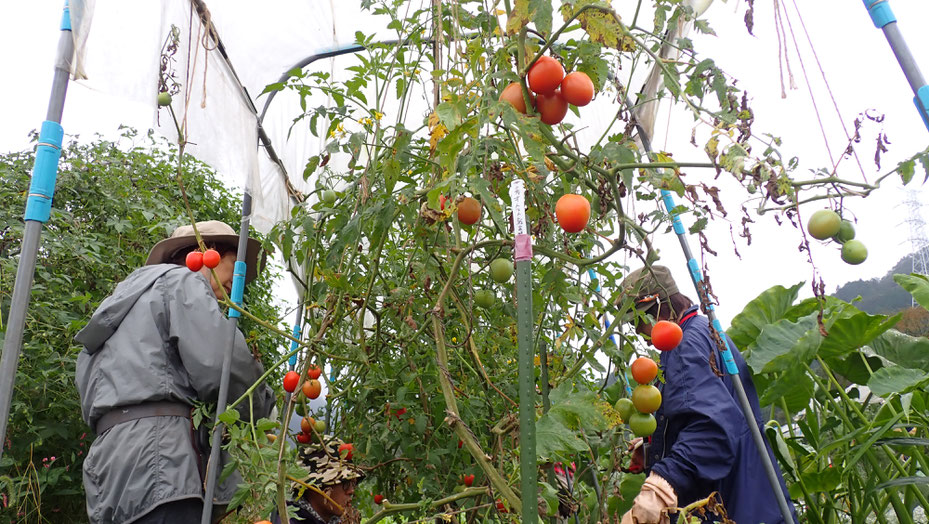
(378, 499)
(577, 88)
(666, 335)
(545, 75)
(513, 94)
(211, 258)
(290, 381)
(572, 212)
(304, 438)
(307, 424)
(500, 507)
(552, 107)
(442, 199)
(469, 211)
(348, 448)
(467, 480)
(460, 443)
(313, 372)
(644, 370)
(194, 260)
(312, 388)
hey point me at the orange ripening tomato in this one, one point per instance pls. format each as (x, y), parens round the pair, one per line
(312, 388)
(572, 212)
(646, 398)
(644, 370)
(552, 107)
(577, 88)
(545, 75)
(513, 94)
(307, 424)
(666, 335)
(469, 211)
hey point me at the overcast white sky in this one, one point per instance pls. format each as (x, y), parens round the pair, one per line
(854, 56)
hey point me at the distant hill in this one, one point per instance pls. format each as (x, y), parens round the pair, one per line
(879, 295)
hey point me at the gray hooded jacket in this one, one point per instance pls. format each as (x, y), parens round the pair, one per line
(159, 337)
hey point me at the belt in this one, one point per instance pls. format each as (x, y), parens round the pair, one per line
(121, 414)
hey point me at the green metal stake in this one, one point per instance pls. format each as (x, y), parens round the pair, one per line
(528, 467)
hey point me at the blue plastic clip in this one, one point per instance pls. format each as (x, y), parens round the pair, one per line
(880, 12)
(922, 103)
(44, 172)
(293, 345)
(238, 288)
(731, 368)
(66, 18)
(669, 205)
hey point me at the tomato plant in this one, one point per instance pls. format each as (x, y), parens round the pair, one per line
(312, 388)
(501, 270)
(513, 94)
(577, 88)
(854, 252)
(345, 450)
(824, 224)
(313, 372)
(642, 424)
(469, 211)
(644, 370)
(552, 107)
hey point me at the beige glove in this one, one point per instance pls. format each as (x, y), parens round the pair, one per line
(653, 502)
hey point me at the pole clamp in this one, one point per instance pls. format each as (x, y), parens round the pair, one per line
(880, 12)
(44, 172)
(238, 288)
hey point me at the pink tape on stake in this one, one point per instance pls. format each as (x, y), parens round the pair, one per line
(523, 247)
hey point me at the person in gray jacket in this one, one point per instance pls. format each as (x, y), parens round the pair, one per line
(151, 349)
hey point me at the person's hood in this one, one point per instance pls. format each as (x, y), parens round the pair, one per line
(115, 307)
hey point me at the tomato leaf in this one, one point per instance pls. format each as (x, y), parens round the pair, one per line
(553, 439)
(550, 495)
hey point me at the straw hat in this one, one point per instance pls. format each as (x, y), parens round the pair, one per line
(211, 231)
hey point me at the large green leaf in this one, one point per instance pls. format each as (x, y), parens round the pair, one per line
(577, 409)
(794, 386)
(784, 344)
(553, 439)
(916, 285)
(767, 308)
(849, 333)
(852, 366)
(895, 379)
(903, 349)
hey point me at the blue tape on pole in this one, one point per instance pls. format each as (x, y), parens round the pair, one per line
(44, 172)
(694, 270)
(731, 368)
(66, 18)
(293, 346)
(238, 288)
(922, 103)
(668, 200)
(880, 12)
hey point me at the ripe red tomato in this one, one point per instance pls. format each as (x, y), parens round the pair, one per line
(545, 75)
(304, 438)
(644, 370)
(572, 212)
(552, 107)
(290, 381)
(345, 450)
(513, 94)
(577, 88)
(307, 424)
(666, 335)
(378, 499)
(469, 211)
(399, 412)
(312, 388)
(211, 258)
(500, 507)
(313, 372)
(194, 260)
(460, 443)
(467, 480)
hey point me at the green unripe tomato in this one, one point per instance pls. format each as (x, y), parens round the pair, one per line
(854, 252)
(320, 425)
(300, 409)
(642, 424)
(501, 270)
(164, 99)
(824, 224)
(328, 197)
(484, 298)
(846, 232)
(626, 408)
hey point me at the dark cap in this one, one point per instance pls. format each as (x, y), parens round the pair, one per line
(647, 282)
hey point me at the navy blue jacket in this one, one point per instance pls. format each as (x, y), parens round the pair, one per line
(702, 443)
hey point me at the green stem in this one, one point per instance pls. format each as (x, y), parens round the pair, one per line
(390, 509)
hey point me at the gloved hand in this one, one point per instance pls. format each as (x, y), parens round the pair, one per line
(637, 461)
(653, 502)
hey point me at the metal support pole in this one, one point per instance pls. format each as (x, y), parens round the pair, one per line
(238, 290)
(884, 19)
(528, 466)
(38, 210)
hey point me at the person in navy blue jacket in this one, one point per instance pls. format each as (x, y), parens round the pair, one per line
(702, 443)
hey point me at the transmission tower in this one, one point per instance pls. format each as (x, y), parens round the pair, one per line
(918, 240)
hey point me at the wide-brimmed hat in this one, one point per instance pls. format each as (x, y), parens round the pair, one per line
(211, 231)
(324, 465)
(645, 285)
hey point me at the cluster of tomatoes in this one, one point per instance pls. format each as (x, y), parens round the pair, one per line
(646, 398)
(311, 389)
(197, 259)
(553, 90)
(826, 224)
